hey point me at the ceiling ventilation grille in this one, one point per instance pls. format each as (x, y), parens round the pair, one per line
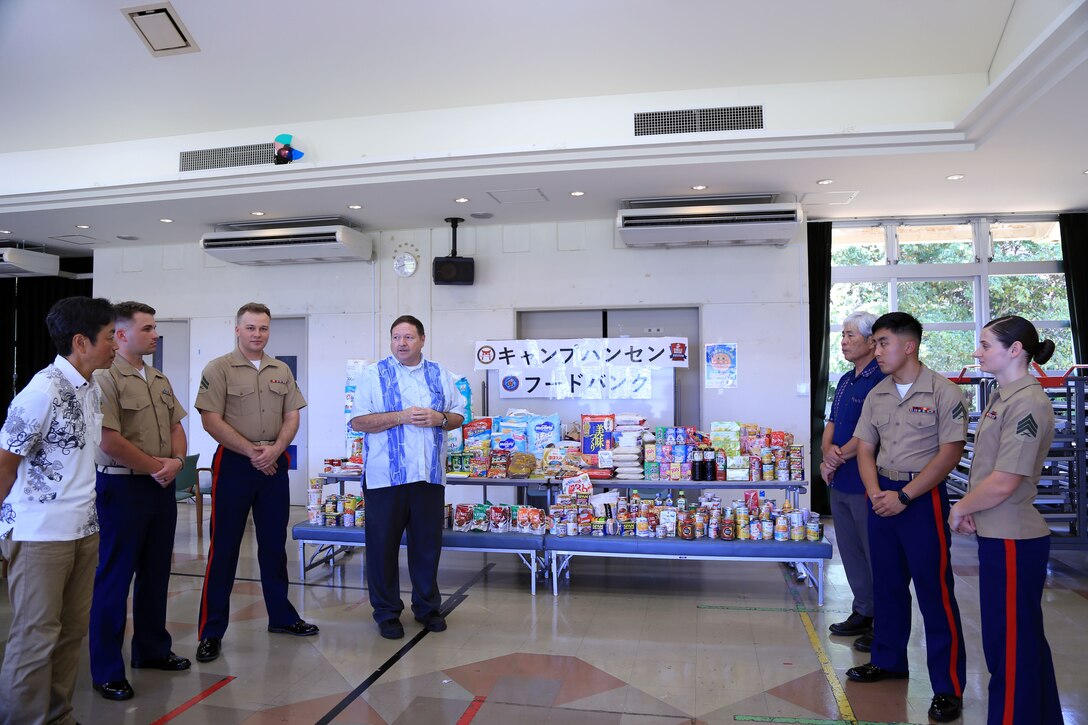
(227, 157)
(699, 120)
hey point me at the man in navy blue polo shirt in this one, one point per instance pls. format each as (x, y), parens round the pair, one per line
(849, 509)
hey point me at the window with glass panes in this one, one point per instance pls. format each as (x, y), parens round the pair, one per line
(954, 276)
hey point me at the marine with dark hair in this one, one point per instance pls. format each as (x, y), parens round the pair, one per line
(48, 522)
(405, 404)
(918, 419)
(1012, 442)
(142, 451)
(249, 403)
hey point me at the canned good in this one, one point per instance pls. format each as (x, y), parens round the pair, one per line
(642, 526)
(348, 519)
(768, 529)
(727, 530)
(813, 530)
(314, 498)
(572, 528)
(332, 519)
(349, 505)
(712, 530)
(314, 514)
(756, 530)
(662, 531)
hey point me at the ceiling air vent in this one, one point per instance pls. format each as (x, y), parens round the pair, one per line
(227, 157)
(699, 120)
(160, 29)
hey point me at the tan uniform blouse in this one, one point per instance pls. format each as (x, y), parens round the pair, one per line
(251, 401)
(910, 430)
(1014, 436)
(142, 412)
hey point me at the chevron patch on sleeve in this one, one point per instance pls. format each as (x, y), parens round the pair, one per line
(959, 412)
(204, 385)
(1027, 426)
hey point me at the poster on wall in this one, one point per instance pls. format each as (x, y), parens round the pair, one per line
(721, 365)
(353, 441)
(584, 369)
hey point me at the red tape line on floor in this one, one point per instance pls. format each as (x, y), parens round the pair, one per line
(473, 708)
(189, 703)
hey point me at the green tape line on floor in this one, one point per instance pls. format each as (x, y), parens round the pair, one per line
(791, 610)
(809, 720)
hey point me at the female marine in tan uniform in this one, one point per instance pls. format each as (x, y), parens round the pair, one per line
(1011, 443)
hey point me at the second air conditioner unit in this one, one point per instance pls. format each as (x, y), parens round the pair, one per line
(703, 221)
(24, 263)
(290, 245)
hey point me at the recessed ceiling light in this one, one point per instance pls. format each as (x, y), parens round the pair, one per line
(167, 221)
(699, 187)
(825, 182)
(577, 193)
(256, 213)
(461, 200)
(83, 226)
(955, 177)
(355, 206)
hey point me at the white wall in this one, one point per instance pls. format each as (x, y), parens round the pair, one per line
(564, 124)
(753, 296)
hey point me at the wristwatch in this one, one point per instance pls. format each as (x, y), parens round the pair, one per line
(445, 421)
(904, 498)
(180, 460)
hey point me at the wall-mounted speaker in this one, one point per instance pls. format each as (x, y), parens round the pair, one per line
(454, 270)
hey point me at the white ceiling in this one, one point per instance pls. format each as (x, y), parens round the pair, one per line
(73, 73)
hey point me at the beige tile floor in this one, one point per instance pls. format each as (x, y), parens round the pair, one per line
(628, 642)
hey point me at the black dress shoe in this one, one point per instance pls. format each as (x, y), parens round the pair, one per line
(299, 629)
(116, 690)
(433, 622)
(869, 672)
(208, 649)
(854, 625)
(864, 643)
(169, 663)
(945, 708)
(391, 629)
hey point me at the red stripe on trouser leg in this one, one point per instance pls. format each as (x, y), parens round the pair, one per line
(946, 598)
(1010, 630)
(216, 461)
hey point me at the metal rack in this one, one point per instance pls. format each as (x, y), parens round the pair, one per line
(1062, 494)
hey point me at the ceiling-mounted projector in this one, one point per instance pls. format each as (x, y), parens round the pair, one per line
(24, 263)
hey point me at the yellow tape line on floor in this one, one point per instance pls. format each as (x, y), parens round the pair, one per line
(845, 711)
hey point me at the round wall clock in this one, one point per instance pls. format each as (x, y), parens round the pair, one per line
(404, 264)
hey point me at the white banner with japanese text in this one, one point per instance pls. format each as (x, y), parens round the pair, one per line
(586, 368)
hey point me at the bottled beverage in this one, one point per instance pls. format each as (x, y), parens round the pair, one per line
(681, 502)
(668, 498)
(657, 498)
(710, 467)
(635, 498)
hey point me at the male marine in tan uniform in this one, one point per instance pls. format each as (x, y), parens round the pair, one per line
(249, 404)
(143, 448)
(919, 420)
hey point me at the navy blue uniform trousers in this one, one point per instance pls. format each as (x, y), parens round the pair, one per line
(1023, 688)
(916, 545)
(237, 488)
(416, 508)
(137, 517)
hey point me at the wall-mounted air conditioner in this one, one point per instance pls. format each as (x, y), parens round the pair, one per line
(700, 222)
(23, 263)
(290, 245)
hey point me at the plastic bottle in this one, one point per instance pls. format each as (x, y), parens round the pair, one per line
(635, 499)
(681, 501)
(657, 498)
(668, 497)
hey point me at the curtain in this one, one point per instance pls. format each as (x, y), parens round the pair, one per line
(7, 344)
(31, 298)
(1074, 229)
(819, 323)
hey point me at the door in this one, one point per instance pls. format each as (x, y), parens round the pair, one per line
(172, 358)
(287, 342)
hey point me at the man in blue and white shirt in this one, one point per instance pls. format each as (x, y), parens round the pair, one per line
(48, 522)
(405, 405)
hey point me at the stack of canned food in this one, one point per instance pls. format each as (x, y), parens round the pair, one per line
(336, 510)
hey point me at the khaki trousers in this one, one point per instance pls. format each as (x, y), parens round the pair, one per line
(50, 585)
